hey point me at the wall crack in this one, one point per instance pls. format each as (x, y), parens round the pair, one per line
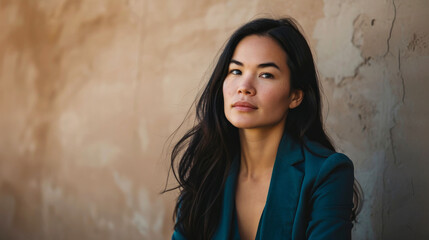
(391, 29)
(401, 76)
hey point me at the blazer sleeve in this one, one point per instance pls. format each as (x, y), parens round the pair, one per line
(177, 236)
(332, 200)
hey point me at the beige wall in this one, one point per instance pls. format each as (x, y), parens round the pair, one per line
(91, 90)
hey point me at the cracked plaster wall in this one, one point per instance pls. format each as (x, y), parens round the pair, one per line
(90, 91)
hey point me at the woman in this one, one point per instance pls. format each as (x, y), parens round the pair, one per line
(258, 164)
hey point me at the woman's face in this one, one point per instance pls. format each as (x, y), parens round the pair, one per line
(257, 90)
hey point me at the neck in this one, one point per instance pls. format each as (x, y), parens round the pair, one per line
(259, 150)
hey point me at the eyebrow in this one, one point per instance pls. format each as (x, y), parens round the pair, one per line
(262, 65)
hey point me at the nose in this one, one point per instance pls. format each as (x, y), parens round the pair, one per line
(246, 87)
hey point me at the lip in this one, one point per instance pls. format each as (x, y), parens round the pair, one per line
(244, 106)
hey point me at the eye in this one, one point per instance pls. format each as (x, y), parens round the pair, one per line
(266, 75)
(235, 72)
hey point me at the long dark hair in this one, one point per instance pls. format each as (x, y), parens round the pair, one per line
(206, 151)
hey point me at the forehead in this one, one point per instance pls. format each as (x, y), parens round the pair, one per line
(256, 49)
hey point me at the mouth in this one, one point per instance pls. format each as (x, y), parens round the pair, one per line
(244, 106)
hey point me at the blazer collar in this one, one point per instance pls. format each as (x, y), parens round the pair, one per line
(282, 199)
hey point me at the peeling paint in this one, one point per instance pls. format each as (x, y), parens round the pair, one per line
(417, 43)
(340, 56)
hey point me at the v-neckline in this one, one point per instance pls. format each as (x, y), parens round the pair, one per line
(283, 194)
(236, 233)
(235, 215)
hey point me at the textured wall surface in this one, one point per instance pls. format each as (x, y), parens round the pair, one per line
(91, 90)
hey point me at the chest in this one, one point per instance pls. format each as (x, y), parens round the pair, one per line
(250, 201)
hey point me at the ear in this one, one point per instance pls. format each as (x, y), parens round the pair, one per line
(296, 98)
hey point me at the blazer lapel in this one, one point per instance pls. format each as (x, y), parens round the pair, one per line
(284, 191)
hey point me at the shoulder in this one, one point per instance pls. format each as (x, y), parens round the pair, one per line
(328, 193)
(321, 162)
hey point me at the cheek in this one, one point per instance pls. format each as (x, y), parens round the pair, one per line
(225, 97)
(226, 100)
(227, 89)
(278, 101)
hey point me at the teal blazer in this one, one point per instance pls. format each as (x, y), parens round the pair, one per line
(310, 196)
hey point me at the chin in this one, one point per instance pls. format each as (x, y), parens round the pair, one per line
(244, 124)
(252, 124)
